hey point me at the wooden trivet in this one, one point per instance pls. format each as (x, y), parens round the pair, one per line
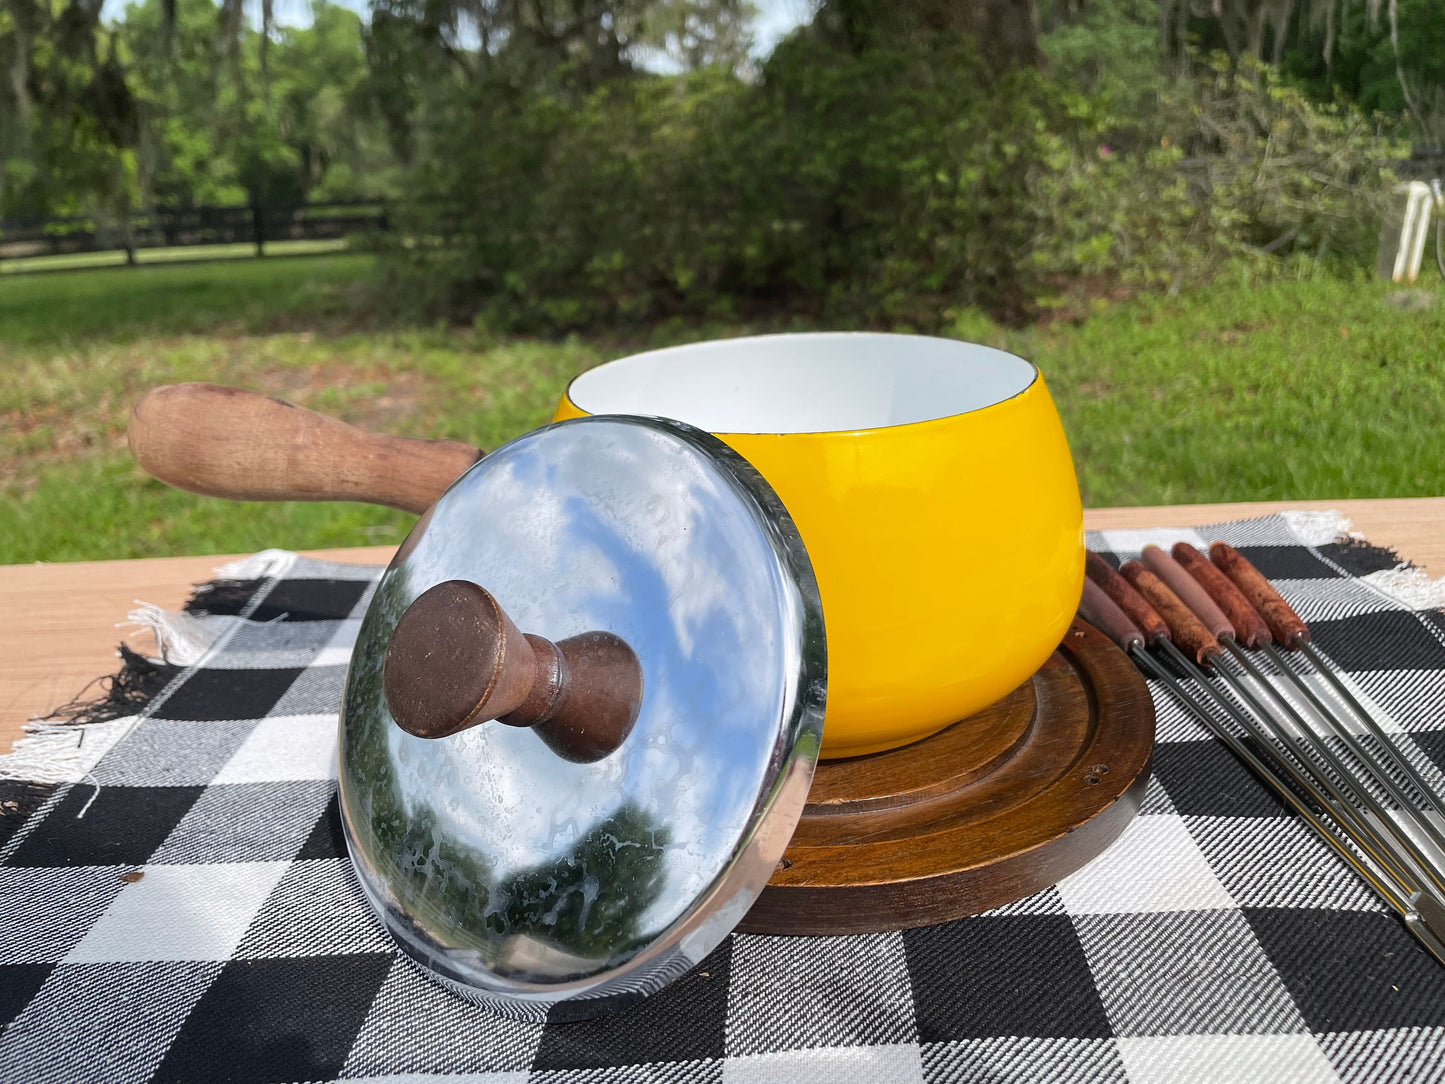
(990, 810)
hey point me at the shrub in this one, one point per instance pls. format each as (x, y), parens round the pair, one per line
(866, 187)
(882, 187)
(1234, 163)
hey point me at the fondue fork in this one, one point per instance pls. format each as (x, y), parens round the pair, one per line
(1165, 614)
(1207, 597)
(1112, 604)
(1282, 625)
(1298, 793)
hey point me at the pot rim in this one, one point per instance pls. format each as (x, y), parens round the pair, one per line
(967, 351)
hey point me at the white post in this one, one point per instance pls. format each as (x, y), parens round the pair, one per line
(1405, 231)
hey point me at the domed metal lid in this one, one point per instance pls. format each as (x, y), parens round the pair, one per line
(604, 842)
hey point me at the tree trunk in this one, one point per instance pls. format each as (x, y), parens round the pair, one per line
(1279, 23)
(1009, 26)
(1008, 30)
(1228, 17)
(1256, 33)
(1181, 35)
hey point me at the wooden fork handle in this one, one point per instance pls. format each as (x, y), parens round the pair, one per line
(225, 442)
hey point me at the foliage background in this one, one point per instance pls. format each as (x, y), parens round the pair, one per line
(564, 164)
(1172, 209)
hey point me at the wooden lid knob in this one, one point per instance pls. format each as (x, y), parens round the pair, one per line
(455, 660)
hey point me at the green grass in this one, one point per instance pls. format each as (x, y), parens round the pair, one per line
(43, 317)
(85, 260)
(1314, 388)
(1281, 390)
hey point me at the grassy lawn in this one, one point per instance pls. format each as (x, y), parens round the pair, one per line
(82, 260)
(1285, 390)
(1247, 391)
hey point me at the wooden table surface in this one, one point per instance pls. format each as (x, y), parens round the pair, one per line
(58, 622)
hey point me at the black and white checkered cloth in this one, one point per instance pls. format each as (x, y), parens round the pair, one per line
(184, 912)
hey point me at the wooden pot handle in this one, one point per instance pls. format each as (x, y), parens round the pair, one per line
(225, 442)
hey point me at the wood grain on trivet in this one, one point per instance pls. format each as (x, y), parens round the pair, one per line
(992, 809)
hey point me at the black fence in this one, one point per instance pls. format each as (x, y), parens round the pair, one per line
(182, 227)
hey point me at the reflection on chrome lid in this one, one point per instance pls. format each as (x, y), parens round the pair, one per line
(529, 881)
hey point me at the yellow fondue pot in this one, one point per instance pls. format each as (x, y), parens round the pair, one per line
(932, 485)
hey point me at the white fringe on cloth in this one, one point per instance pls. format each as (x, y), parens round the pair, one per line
(66, 752)
(1317, 528)
(258, 566)
(1410, 587)
(62, 752)
(181, 638)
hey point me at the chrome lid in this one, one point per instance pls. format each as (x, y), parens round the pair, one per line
(539, 885)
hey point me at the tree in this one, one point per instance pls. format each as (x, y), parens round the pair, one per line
(315, 88)
(1007, 29)
(189, 149)
(422, 60)
(160, 108)
(591, 39)
(697, 34)
(1408, 51)
(70, 119)
(1403, 40)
